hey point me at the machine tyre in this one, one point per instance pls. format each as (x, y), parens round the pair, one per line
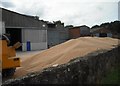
(8, 72)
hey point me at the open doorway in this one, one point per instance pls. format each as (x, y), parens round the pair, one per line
(15, 36)
(103, 34)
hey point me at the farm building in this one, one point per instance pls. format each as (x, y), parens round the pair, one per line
(2, 30)
(56, 33)
(28, 30)
(101, 32)
(119, 10)
(79, 31)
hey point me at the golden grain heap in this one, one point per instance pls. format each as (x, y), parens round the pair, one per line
(63, 53)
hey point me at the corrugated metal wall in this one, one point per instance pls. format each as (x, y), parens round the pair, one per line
(0, 14)
(119, 10)
(2, 28)
(37, 38)
(109, 34)
(53, 38)
(84, 31)
(57, 36)
(63, 36)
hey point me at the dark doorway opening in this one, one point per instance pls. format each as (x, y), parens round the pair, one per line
(103, 34)
(15, 36)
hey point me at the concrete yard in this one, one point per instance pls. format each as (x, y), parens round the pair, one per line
(25, 55)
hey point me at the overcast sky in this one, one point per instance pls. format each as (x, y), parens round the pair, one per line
(75, 12)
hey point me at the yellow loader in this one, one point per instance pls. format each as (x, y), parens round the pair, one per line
(8, 58)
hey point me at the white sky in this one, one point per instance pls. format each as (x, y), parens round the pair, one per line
(75, 12)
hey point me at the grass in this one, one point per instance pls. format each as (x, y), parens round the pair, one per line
(112, 77)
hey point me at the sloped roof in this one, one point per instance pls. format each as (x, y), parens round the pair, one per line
(14, 19)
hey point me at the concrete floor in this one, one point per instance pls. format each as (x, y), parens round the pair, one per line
(27, 54)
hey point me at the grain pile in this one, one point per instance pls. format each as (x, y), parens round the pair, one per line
(64, 52)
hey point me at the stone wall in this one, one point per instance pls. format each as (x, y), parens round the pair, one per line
(83, 70)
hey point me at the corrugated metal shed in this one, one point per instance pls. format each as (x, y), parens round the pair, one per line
(57, 33)
(119, 10)
(25, 29)
(14, 19)
(84, 30)
(79, 31)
